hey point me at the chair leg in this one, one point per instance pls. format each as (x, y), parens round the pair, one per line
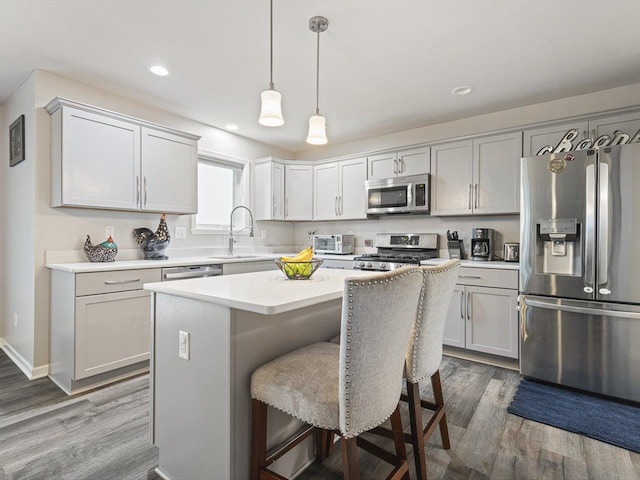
(322, 443)
(402, 468)
(437, 394)
(350, 458)
(417, 437)
(258, 438)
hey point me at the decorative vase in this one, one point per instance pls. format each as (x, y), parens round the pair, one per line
(153, 244)
(105, 252)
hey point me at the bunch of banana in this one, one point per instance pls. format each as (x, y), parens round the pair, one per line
(300, 264)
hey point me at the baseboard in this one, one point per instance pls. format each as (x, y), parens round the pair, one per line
(26, 368)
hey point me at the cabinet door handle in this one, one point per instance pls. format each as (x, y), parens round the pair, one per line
(403, 167)
(341, 211)
(461, 304)
(469, 306)
(121, 282)
(286, 207)
(145, 191)
(137, 189)
(395, 166)
(273, 207)
(478, 277)
(469, 196)
(475, 195)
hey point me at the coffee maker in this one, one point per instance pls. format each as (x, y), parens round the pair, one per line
(481, 244)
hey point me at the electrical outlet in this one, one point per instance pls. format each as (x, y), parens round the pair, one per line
(181, 233)
(183, 345)
(108, 231)
(368, 243)
(263, 234)
(15, 320)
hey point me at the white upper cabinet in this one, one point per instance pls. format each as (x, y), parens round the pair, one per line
(298, 201)
(282, 190)
(477, 177)
(399, 164)
(451, 178)
(496, 174)
(269, 181)
(101, 159)
(169, 172)
(339, 192)
(613, 129)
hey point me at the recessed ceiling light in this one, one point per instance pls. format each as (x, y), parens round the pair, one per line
(159, 70)
(231, 126)
(463, 90)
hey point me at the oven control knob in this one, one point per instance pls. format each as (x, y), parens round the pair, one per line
(383, 265)
(361, 264)
(369, 264)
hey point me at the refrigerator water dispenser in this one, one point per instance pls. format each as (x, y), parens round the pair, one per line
(559, 247)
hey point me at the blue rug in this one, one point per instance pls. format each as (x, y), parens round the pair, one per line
(605, 420)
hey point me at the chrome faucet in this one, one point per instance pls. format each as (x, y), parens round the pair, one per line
(231, 240)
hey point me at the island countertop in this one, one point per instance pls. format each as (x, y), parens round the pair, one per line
(267, 293)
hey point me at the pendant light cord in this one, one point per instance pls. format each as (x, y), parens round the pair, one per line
(318, 75)
(271, 44)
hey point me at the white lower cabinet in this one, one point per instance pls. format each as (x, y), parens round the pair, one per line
(484, 318)
(99, 326)
(247, 267)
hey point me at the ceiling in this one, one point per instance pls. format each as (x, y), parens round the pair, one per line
(385, 65)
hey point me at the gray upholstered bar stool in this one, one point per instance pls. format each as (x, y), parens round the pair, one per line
(349, 388)
(424, 357)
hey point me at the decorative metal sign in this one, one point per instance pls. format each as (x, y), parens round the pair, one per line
(567, 143)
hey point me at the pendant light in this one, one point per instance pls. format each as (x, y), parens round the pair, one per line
(317, 129)
(271, 111)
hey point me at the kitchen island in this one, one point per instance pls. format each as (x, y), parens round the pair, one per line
(226, 327)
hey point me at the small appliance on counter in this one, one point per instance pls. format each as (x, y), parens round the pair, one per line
(334, 244)
(397, 250)
(481, 244)
(511, 252)
(455, 246)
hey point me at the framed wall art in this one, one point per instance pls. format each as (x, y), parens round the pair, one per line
(16, 141)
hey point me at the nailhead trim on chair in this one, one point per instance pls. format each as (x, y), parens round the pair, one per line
(425, 272)
(353, 284)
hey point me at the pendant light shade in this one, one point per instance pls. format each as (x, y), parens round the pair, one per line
(317, 130)
(317, 123)
(271, 110)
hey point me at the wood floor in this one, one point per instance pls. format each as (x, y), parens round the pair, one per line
(103, 435)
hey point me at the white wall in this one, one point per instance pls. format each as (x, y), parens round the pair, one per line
(32, 227)
(601, 101)
(507, 227)
(18, 192)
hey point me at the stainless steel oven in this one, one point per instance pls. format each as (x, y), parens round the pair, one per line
(398, 195)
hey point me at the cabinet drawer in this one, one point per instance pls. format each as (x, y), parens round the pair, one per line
(115, 281)
(488, 277)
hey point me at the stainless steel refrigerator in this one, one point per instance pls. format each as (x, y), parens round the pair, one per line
(580, 270)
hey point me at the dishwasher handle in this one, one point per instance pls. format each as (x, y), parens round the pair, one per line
(196, 271)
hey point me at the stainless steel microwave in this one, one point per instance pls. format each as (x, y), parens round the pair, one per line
(398, 195)
(338, 244)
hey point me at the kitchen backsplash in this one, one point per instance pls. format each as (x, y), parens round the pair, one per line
(507, 229)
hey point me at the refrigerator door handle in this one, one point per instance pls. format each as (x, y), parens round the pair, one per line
(590, 227)
(603, 224)
(585, 310)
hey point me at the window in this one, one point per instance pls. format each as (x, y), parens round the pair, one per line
(220, 189)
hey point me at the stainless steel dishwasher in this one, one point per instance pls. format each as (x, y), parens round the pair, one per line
(192, 271)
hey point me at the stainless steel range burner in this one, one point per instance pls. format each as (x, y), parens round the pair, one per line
(397, 250)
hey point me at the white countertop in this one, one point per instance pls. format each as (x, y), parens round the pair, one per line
(267, 293)
(499, 264)
(83, 267)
